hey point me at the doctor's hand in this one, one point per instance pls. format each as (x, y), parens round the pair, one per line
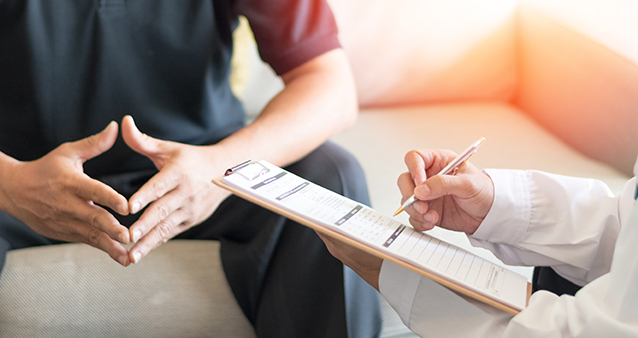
(456, 202)
(180, 196)
(54, 197)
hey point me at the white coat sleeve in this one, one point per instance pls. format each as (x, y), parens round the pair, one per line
(603, 307)
(542, 219)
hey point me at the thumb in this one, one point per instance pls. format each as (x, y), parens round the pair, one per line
(443, 185)
(96, 144)
(138, 141)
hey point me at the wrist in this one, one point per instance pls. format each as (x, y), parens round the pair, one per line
(509, 214)
(7, 164)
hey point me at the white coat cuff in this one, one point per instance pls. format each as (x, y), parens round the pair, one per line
(509, 217)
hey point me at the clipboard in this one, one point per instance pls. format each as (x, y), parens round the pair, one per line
(246, 179)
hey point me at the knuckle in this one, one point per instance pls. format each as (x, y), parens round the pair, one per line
(93, 237)
(92, 140)
(190, 198)
(65, 147)
(157, 189)
(409, 155)
(95, 220)
(439, 181)
(164, 230)
(162, 211)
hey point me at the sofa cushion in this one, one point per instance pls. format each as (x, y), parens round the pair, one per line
(74, 290)
(418, 51)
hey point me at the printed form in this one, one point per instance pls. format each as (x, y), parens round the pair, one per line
(381, 232)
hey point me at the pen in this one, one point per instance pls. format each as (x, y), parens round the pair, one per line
(451, 167)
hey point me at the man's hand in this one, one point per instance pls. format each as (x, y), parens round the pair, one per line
(54, 197)
(364, 264)
(457, 202)
(180, 195)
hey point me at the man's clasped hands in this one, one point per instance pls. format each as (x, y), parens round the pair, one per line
(54, 196)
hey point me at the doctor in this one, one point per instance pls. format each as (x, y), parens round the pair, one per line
(575, 225)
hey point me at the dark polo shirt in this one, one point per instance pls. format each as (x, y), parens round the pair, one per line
(68, 67)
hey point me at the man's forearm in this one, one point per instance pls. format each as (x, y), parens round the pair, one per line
(6, 162)
(318, 101)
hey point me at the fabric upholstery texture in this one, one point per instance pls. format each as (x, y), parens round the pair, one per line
(73, 290)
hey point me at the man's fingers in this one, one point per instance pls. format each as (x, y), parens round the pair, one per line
(102, 194)
(102, 241)
(138, 141)
(158, 186)
(159, 234)
(95, 145)
(102, 220)
(157, 212)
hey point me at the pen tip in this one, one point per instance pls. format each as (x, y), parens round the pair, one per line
(398, 211)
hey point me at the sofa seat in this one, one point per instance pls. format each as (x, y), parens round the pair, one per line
(178, 291)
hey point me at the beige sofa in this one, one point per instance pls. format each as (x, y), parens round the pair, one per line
(551, 85)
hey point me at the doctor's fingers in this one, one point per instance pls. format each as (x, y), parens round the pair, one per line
(427, 162)
(457, 186)
(422, 216)
(406, 186)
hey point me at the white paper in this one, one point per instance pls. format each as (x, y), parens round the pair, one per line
(379, 231)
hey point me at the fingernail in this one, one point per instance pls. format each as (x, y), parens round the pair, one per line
(108, 125)
(428, 218)
(136, 207)
(122, 260)
(122, 208)
(124, 237)
(136, 235)
(418, 207)
(137, 256)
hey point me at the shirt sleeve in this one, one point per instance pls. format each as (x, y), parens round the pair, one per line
(542, 219)
(289, 33)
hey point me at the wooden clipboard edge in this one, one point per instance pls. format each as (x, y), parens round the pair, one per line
(317, 227)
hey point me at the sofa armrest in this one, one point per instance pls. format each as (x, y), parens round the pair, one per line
(424, 51)
(579, 75)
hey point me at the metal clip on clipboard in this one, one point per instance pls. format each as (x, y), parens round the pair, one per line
(250, 170)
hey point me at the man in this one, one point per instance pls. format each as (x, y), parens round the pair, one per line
(70, 68)
(575, 225)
